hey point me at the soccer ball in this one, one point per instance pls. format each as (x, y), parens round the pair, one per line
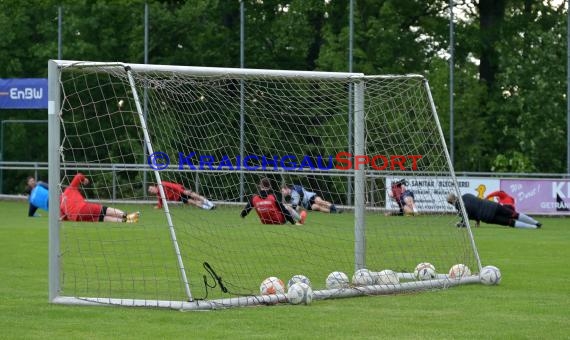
(362, 277)
(300, 293)
(386, 277)
(272, 285)
(425, 271)
(458, 271)
(490, 275)
(337, 280)
(298, 278)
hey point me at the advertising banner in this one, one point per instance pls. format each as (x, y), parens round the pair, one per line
(431, 192)
(24, 93)
(539, 196)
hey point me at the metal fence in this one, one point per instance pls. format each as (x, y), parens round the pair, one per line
(39, 171)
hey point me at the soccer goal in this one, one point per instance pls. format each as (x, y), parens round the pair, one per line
(218, 132)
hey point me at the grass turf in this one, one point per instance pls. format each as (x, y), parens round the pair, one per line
(531, 302)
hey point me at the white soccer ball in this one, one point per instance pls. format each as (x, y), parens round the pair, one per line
(298, 278)
(337, 280)
(272, 285)
(386, 277)
(458, 271)
(300, 293)
(490, 275)
(425, 271)
(362, 277)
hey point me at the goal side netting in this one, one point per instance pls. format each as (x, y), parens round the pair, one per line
(346, 138)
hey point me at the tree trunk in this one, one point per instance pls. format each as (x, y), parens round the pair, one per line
(491, 16)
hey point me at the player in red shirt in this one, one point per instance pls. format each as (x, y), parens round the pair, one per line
(73, 207)
(177, 192)
(269, 209)
(503, 199)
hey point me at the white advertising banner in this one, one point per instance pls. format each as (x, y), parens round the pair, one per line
(431, 192)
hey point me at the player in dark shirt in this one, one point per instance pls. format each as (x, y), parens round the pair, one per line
(491, 212)
(404, 197)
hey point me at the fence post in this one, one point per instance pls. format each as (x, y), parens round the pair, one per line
(114, 182)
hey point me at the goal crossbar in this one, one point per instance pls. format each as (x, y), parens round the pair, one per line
(212, 71)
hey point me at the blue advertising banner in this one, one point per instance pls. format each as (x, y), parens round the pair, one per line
(24, 93)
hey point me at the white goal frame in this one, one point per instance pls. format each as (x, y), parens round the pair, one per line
(358, 175)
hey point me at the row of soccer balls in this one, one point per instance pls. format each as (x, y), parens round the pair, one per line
(299, 289)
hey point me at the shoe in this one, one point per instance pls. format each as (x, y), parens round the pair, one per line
(133, 217)
(298, 223)
(538, 225)
(460, 225)
(303, 215)
(335, 210)
(213, 207)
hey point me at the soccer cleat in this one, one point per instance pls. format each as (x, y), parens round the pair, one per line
(207, 205)
(538, 225)
(303, 215)
(335, 210)
(460, 225)
(133, 217)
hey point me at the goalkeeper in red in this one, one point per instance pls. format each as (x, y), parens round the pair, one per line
(269, 209)
(178, 193)
(504, 199)
(74, 207)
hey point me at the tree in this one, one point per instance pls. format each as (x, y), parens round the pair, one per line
(530, 102)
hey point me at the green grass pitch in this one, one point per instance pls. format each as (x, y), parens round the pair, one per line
(532, 301)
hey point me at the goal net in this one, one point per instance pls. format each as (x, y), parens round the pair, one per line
(346, 138)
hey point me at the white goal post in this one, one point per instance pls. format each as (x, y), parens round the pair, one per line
(218, 132)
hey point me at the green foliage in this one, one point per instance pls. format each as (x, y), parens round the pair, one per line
(531, 108)
(29, 38)
(512, 162)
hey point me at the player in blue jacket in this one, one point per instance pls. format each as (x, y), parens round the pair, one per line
(39, 196)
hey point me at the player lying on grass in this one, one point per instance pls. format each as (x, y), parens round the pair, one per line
(491, 212)
(73, 206)
(178, 193)
(300, 197)
(404, 197)
(38, 196)
(269, 209)
(503, 199)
